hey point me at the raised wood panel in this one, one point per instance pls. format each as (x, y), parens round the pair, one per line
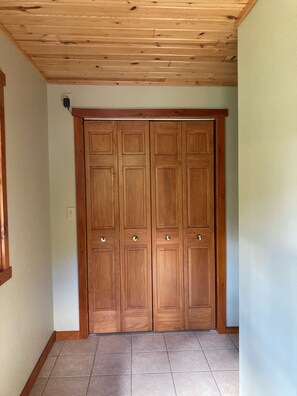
(101, 143)
(168, 287)
(135, 193)
(199, 277)
(198, 192)
(136, 270)
(167, 197)
(167, 138)
(81, 29)
(103, 280)
(135, 225)
(197, 143)
(102, 185)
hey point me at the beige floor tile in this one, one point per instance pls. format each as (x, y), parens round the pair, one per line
(182, 341)
(80, 347)
(148, 343)
(112, 364)
(188, 361)
(235, 339)
(110, 385)
(195, 384)
(66, 387)
(38, 387)
(47, 367)
(215, 341)
(227, 359)
(156, 362)
(73, 366)
(228, 382)
(56, 349)
(152, 385)
(118, 343)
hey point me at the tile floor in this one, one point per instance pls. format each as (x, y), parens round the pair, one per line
(185, 363)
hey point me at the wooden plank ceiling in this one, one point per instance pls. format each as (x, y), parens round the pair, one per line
(137, 42)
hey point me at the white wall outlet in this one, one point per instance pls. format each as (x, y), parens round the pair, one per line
(70, 214)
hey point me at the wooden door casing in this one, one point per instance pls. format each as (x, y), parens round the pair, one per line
(103, 229)
(198, 219)
(219, 116)
(135, 225)
(166, 174)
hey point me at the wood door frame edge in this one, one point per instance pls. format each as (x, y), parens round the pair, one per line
(220, 197)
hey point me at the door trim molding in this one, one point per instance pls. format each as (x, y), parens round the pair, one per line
(220, 196)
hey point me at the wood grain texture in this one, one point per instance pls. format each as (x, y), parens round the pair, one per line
(103, 232)
(135, 225)
(167, 225)
(245, 12)
(220, 209)
(38, 366)
(232, 330)
(148, 113)
(219, 116)
(49, 33)
(81, 226)
(68, 335)
(5, 268)
(198, 221)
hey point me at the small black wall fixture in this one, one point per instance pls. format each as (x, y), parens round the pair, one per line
(67, 104)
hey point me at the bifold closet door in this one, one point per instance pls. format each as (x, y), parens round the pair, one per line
(119, 226)
(167, 225)
(183, 225)
(198, 219)
(103, 226)
(135, 225)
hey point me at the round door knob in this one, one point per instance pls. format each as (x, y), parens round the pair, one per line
(103, 239)
(199, 237)
(135, 238)
(167, 237)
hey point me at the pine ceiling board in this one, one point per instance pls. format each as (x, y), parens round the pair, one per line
(185, 42)
(184, 11)
(219, 65)
(139, 82)
(138, 31)
(120, 34)
(36, 48)
(88, 23)
(212, 3)
(138, 58)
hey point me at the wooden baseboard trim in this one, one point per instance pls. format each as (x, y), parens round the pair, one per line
(38, 366)
(232, 330)
(67, 335)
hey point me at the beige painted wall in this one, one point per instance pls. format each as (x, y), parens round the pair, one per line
(26, 319)
(268, 199)
(62, 177)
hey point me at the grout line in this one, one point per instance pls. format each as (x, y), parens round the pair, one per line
(209, 366)
(237, 347)
(93, 365)
(170, 365)
(47, 379)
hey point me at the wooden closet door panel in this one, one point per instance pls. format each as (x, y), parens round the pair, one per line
(198, 191)
(167, 230)
(102, 226)
(135, 225)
